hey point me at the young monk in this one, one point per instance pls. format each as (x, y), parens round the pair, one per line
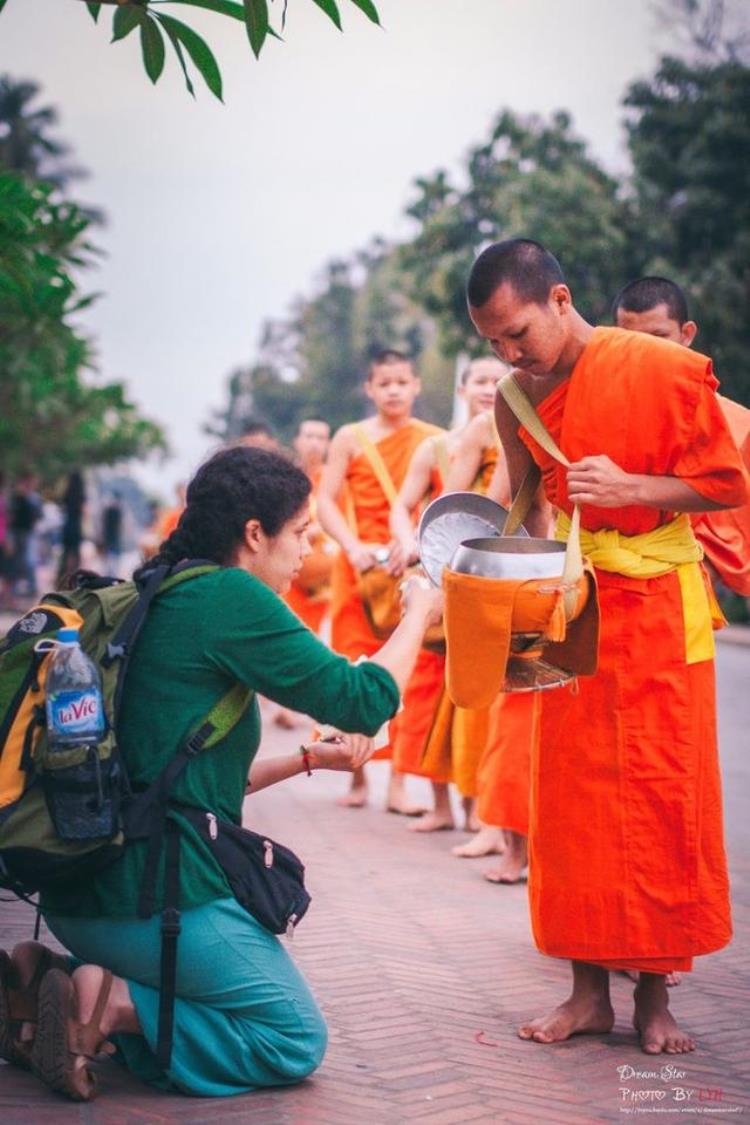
(474, 466)
(351, 474)
(659, 307)
(627, 860)
(310, 592)
(425, 480)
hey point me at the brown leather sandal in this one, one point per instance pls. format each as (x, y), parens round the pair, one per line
(63, 1046)
(29, 962)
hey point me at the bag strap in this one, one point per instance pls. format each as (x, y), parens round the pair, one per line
(147, 817)
(377, 464)
(171, 925)
(127, 634)
(522, 407)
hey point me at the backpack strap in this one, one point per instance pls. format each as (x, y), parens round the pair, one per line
(147, 817)
(170, 928)
(120, 645)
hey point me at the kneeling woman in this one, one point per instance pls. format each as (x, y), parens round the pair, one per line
(244, 1017)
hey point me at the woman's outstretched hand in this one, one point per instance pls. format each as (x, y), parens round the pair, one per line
(344, 752)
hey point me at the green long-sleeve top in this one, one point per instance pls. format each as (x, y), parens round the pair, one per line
(199, 639)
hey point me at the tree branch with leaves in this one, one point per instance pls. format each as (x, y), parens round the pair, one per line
(159, 29)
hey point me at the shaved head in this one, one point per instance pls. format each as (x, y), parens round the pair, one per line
(645, 293)
(523, 264)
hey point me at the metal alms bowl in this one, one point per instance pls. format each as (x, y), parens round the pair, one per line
(504, 557)
(451, 519)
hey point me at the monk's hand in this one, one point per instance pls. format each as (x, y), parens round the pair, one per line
(342, 752)
(362, 556)
(598, 480)
(399, 557)
(420, 596)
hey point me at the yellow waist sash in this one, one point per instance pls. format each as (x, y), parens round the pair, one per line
(671, 547)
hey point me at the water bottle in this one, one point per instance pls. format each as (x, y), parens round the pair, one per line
(75, 709)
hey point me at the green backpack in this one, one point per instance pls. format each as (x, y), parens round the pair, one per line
(62, 815)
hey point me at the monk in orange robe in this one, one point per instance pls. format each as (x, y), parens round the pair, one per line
(310, 593)
(504, 771)
(627, 867)
(432, 462)
(659, 307)
(365, 462)
(475, 464)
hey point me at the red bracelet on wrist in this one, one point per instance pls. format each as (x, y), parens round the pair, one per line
(306, 760)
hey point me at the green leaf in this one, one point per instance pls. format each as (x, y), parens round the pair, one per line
(199, 52)
(180, 58)
(2, 4)
(369, 9)
(125, 19)
(94, 10)
(256, 22)
(222, 7)
(152, 48)
(330, 9)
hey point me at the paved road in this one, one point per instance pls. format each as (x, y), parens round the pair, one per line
(412, 955)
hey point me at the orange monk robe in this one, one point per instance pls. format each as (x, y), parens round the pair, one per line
(627, 863)
(504, 774)
(725, 535)
(470, 728)
(410, 729)
(351, 634)
(310, 593)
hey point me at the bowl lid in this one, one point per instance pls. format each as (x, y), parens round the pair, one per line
(452, 518)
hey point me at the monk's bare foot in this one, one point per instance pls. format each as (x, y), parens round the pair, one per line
(653, 1020)
(512, 866)
(397, 801)
(433, 822)
(577, 1016)
(488, 841)
(356, 798)
(587, 1011)
(472, 823)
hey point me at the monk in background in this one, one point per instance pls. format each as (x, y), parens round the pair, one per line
(628, 869)
(659, 307)
(476, 463)
(310, 593)
(425, 481)
(367, 461)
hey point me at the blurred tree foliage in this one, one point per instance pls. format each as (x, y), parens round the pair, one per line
(684, 211)
(52, 417)
(689, 136)
(532, 179)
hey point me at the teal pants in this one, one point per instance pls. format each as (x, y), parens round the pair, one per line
(244, 1016)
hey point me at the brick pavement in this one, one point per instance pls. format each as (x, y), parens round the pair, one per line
(411, 955)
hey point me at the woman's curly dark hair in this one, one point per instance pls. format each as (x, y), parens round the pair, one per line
(234, 486)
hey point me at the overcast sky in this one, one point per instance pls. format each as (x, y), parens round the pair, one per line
(220, 214)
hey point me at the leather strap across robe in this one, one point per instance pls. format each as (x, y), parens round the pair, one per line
(482, 614)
